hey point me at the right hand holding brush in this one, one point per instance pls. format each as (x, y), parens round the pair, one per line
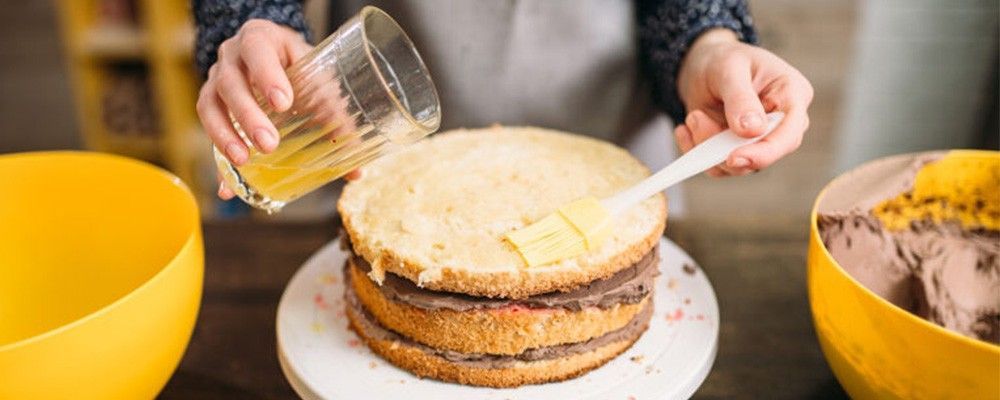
(725, 83)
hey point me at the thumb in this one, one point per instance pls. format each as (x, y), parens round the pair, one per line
(744, 111)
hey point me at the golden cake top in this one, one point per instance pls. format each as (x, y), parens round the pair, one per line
(436, 212)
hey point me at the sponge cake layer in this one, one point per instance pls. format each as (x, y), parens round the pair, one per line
(435, 213)
(539, 365)
(504, 331)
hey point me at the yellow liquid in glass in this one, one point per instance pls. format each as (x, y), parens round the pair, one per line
(307, 157)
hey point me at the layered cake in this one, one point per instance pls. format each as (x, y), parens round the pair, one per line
(922, 233)
(433, 288)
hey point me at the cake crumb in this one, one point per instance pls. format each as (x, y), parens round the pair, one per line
(671, 283)
(353, 343)
(687, 300)
(320, 302)
(377, 273)
(636, 359)
(688, 269)
(372, 365)
(428, 275)
(677, 315)
(649, 369)
(328, 279)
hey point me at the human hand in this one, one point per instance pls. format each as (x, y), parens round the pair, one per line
(251, 62)
(726, 83)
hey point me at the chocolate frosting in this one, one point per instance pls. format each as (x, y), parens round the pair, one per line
(372, 329)
(628, 286)
(938, 271)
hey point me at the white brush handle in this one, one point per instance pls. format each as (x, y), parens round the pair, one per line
(702, 157)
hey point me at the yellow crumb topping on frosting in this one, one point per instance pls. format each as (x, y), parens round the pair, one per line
(963, 186)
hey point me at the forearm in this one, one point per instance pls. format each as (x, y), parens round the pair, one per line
(668, 28)
(218, 20)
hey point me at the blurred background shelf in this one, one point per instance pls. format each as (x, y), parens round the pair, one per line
(183, 40)
(146, 148)
(113, 42)
(135, 85)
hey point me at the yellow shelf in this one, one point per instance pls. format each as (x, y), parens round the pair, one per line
(183, 41)
(114, 42)
(162, 39)
(141, 147)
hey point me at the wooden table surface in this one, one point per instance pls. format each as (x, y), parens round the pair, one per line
(767, 346)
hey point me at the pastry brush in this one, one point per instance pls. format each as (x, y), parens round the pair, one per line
(585, 223)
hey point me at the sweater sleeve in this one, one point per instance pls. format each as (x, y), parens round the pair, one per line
(666, 29)
(218, 20)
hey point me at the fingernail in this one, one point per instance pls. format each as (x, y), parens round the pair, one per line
(236, 153)
(691, 122)
(739, 162)
(267, 139)
(278, 99)
(222, 189)
(751, 120)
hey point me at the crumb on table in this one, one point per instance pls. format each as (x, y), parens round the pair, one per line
(688, 269)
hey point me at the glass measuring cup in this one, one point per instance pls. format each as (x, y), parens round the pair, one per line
(361, 93)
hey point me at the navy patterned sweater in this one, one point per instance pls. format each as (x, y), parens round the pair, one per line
(665, 27)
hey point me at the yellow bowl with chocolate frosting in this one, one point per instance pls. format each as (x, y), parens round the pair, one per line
(904, 281)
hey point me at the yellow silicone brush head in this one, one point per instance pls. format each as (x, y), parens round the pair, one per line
(575, 228)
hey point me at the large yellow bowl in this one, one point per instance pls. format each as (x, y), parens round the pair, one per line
(101, 264)
(880, 351)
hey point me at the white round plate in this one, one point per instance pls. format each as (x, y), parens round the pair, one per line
(323, 359)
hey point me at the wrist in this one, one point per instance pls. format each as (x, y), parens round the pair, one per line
(714, 36)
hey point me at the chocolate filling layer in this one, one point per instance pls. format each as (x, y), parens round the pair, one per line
(372, 329)
(628, 286)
